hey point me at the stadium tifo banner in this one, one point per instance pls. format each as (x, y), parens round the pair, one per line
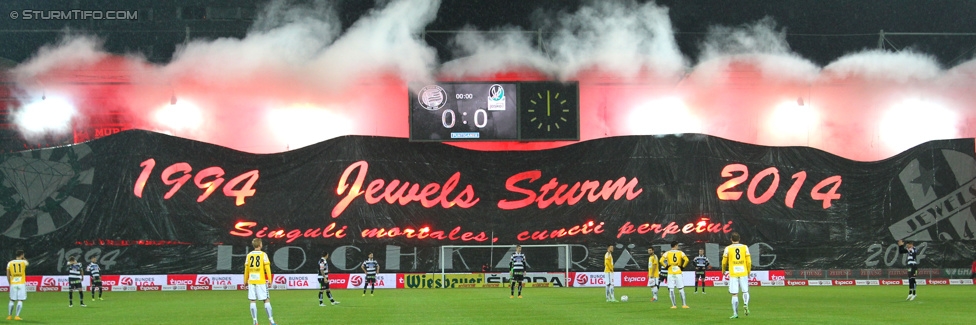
(147, 203)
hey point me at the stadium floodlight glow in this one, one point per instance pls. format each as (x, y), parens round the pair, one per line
(913, 121)
(302, 125)
(790, 122)
(181, 116)
(44, 116)
(667, 115)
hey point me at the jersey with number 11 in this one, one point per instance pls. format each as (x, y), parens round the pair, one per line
(17, 269)
(257, 268)
(737, 257)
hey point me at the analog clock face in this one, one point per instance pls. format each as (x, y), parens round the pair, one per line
(550, 111)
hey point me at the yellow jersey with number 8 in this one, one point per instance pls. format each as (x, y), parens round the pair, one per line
(257, 268)
(737, 260)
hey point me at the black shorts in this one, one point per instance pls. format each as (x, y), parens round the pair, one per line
(96, 282)
(74, 284)
(662, 279)
(323, 283)
(371, 278)
(700, 274)
(912, 271)
(518, 277)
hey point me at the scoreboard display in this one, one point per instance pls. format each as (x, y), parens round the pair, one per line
(501, 111)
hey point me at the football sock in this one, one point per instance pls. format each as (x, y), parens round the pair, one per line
(671, 294)
(99, 292)
(520, 288)
(71, 297)
(10, 308)
(328, 293)
(20, 305)
(254, 312)
(267, 308)
(735, 305)
(511, 290)
(371, 288)
(365, 286)
(654, 291)
(613, 296)
(608, 293)
(320, 297)
(745, 298)
(684, 302)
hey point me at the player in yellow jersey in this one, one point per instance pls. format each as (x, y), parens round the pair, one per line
(608, 272)
(17, 278)
(675, 259)
(737, 263)
(653, 272)
(257, 275)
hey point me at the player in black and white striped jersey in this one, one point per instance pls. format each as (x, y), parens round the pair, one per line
(701, 264)
(96, 277)
(911, 258)
(662, 278)
(370, 267)
(517, 271)
(76, 273)
(324, 279)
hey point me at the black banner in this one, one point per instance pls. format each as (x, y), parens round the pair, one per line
(148, 203)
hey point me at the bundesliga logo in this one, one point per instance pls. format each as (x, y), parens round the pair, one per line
(582, 279)
(356, 280)
(50, 282)
(280, 280)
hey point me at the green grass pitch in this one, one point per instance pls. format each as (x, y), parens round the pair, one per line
(769, 305)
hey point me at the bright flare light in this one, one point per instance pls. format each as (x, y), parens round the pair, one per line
(663, 116)
(304, 125)
(182, 116)
(914, 121)
(53, 114)
(791, 123)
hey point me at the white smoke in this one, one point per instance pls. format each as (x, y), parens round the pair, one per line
(620, 37)
(496, 51)
(759, 44)
(73, 51)
(296, 56)
(879, 65)
(280, 45)
(385, 40)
